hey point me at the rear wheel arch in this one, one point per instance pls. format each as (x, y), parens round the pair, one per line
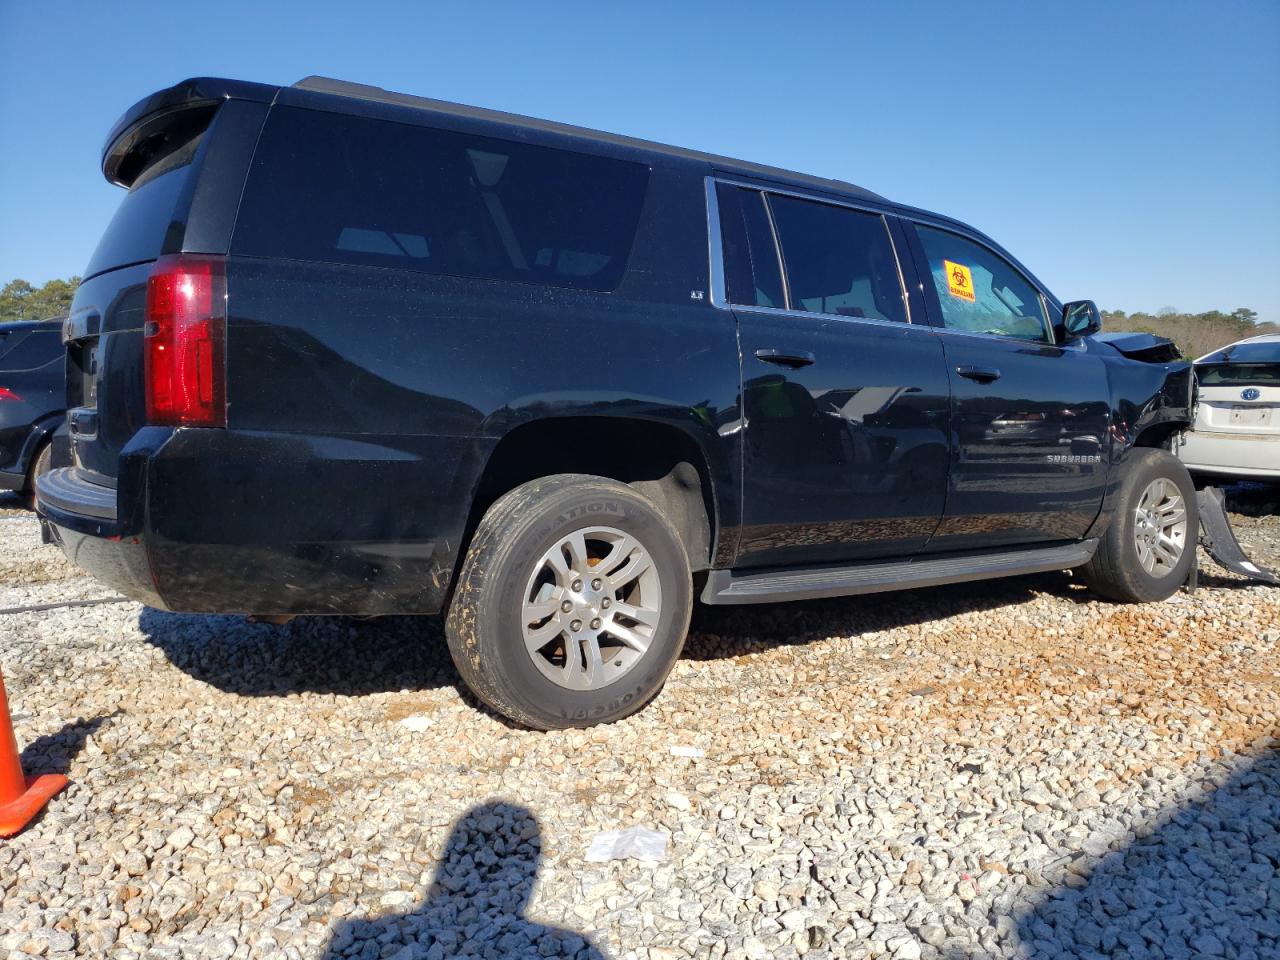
(660, 461)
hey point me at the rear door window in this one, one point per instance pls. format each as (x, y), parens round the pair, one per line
(342, 189)
(753, 274)
(838, 260)
(979, 291)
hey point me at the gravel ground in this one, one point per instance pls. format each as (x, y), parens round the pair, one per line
(1007, 769)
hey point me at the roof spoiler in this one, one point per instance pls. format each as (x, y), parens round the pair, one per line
(155, 124)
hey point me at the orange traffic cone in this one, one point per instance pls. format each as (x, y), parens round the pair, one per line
(20, 799)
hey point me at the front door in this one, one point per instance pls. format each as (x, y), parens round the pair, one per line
(1029, 416)
(844, 401)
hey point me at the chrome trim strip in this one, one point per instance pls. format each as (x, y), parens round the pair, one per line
(897, 262)
(777, 250)
(807, 314)
(715, 247)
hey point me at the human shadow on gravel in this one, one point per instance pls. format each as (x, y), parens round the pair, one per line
(345, 656)
(54, 752)
(475, 905)
(1203, 880)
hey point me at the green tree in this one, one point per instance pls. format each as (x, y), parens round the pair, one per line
(20, 300)
(1194, 334)
(15, 299)
(1244, 316)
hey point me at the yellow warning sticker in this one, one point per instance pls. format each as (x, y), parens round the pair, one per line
(959, 280)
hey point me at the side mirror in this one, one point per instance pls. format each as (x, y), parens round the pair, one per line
(1080, 318)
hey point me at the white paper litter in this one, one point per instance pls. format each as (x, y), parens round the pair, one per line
(417, 723)
(635, 843)
(680, 750)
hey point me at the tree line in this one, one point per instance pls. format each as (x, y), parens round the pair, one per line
(20, 300)
(1195, 334)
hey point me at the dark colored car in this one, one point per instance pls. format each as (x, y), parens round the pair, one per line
(33, 397)
(345, 351)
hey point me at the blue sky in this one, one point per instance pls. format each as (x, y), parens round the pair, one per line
(1128, 152)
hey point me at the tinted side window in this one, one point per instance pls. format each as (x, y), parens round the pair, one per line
(752, 274)
(838, 260)
(980, 292)
(342, 189)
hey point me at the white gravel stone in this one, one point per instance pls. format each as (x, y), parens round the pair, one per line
(1106, 778)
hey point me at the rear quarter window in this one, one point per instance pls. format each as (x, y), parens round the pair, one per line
(341, 189)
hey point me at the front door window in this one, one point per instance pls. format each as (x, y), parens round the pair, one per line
(979, 292)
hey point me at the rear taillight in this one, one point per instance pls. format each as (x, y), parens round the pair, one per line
(184, 339)
(7, 394)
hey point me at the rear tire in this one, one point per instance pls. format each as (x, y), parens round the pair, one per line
(41, 465)
(1147, 552)
(572, 604)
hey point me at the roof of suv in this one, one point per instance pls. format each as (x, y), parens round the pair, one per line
(206, 92)
(360, 91)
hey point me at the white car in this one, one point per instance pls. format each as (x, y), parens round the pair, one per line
(1237, 427)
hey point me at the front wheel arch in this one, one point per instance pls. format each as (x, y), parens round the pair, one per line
(1116, 570)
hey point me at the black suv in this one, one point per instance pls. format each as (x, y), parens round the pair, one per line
(345, 351)
(32, 399)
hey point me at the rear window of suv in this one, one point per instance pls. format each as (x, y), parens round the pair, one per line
(342, 189)
(1241, 365)
(148, 212)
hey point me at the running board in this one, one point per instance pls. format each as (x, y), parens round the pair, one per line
(1220, 541)
(812, 583)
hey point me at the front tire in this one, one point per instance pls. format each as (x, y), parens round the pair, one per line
(572, 604)
(1147, 552)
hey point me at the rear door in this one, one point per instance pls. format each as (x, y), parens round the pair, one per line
(1029, 416)
(844, 400)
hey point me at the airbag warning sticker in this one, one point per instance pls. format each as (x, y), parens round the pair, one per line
(959, 280)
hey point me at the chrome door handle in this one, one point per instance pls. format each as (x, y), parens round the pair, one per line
(786, 358)
(981, 374)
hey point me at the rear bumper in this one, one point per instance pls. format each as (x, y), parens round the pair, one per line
(218, 521)
(12, 481)
(81, 518)
(1241, 455)
(119, 563)
(63, 491)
